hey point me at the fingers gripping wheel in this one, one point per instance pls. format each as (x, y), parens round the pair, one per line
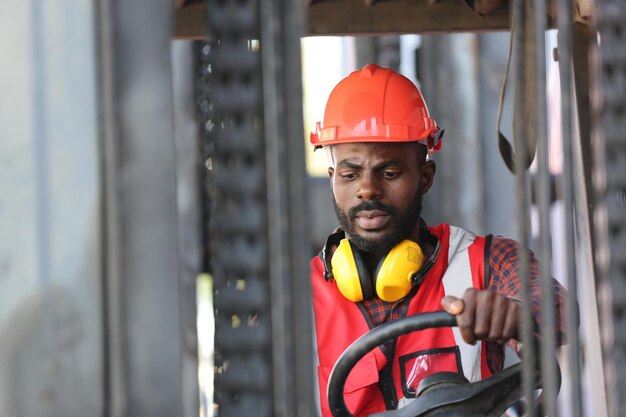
(393, 278)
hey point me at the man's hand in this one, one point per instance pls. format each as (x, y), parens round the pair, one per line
(484, 315)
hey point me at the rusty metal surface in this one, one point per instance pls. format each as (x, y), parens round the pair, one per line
(354, 17)
(350, 17)
(399, 16)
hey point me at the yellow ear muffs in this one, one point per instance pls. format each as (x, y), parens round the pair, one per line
(350, 273)
(394, 274)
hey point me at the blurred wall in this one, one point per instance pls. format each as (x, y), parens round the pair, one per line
(51, 321)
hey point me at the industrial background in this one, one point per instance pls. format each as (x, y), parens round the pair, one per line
(159, 202)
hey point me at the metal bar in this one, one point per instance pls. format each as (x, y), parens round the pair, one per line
(188, 220)
(281, 26)
(495, 177)
(275, 177)
(547, 324)
(609, 176)
(139, 254)
(458, 86)
(520, 132)
(206, 321)
(206, 125)
(583, 38)
(115, 382)
(564, 18)
(300, 241)
(588, 294)
(449, 70)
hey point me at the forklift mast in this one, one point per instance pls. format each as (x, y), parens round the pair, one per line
(147, 143)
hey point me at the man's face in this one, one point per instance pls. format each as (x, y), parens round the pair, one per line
(377, 191)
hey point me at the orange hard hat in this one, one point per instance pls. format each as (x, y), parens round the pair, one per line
(376, 104)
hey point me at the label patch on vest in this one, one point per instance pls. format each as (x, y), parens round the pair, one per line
(416, 366)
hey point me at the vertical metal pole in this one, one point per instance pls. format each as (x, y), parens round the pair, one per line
(587, 306)
(115, 396)
(609, 180)
(451, 72)
(583, 39)
(299, 249)
(276, 206)
(520, 131)
(458, 87)
(564, 18)
(547, 324)
(281, 30)
(188, 168)
(498, 184)
(139, 202)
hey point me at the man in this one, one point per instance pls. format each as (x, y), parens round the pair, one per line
(384, 262)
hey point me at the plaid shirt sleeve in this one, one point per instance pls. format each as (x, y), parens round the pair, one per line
(505, 280)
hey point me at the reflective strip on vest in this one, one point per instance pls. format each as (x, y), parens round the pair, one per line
(456, 280)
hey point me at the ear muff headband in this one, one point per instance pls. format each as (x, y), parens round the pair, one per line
(393, 275)
(367, 285)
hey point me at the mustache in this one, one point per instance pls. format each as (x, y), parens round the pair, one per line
(371, 205)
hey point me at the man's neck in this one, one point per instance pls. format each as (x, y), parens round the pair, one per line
(421, 235)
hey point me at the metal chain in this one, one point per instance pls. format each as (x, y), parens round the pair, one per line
(610, 182)
(238, 211)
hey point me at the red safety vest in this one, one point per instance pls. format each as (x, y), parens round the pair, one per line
(338, 322)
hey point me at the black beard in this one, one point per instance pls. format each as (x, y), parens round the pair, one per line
(404, 223)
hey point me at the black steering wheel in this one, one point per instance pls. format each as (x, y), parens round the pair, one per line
(442, 394)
